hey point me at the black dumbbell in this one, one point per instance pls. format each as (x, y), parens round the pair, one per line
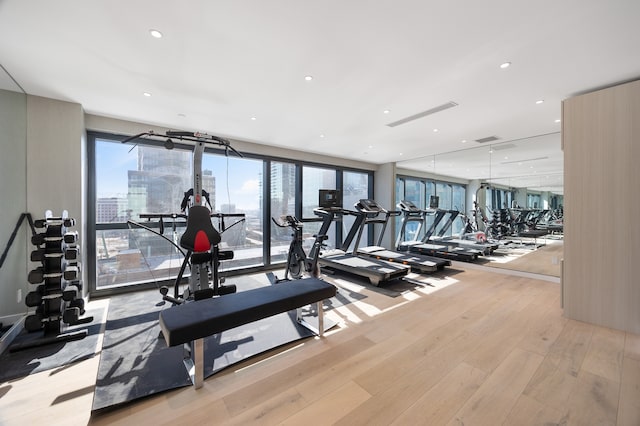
(37, 255)
(76, 283)
(78, 303)
(37, 239)
(40, 223)
(36, 276)
(71, 315)
(72, 273)
(69, 221)
(34, 298)
(70, 293)
(71, 237)
(33, 322)
(72, 253)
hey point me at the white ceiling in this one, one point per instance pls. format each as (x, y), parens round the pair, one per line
(220, 63)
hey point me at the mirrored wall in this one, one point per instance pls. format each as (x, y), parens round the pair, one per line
(521, 178)
(13, 131)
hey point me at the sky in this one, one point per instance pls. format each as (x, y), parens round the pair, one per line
(114, 160)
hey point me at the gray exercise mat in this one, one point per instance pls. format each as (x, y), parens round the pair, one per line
(136, 362)
(18, 364)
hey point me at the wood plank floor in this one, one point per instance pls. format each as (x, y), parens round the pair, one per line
(475, 348)
(545, 260)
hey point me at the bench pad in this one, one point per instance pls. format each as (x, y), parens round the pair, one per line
(195, 320)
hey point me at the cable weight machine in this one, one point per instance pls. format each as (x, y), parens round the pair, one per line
(200, 239)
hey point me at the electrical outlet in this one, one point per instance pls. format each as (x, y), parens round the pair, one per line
(19, 295)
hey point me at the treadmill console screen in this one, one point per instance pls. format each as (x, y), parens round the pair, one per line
(409, 206)
(369, 204)
(330, 198)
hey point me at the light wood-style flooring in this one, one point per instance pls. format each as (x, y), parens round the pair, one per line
(477, 348)
(544, 261)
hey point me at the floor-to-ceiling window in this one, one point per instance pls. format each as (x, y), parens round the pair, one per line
(282, 196)
(237, 188)
(355, 187)
(534, 201)
(313, 180)
(129, 182)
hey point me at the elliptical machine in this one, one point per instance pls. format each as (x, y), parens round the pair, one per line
(200, 239)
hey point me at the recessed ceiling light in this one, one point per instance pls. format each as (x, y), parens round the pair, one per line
(253, 119)
(539, 101)
(370, 146)
(464, 141)
(558, 120)
(401, 154)
(147, 94)
(308, 77)
(435, 130)
(322, 135)
(505, 65)
(386, 111)
(155, 33)
(506, 158)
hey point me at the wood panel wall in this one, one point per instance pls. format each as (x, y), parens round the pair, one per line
(601, 142)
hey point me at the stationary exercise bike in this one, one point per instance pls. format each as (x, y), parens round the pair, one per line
(298, 262)
(200, 239)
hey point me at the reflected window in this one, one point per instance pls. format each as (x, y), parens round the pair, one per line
(283, 202)
(451, 196)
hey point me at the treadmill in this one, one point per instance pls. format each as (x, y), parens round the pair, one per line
(376, 271)
(484, 248)
(370, 213)
(411, 213)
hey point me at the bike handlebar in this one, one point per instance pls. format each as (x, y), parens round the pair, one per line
(286, 221)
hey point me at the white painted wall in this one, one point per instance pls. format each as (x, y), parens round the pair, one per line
(13, 193)
(55, 159)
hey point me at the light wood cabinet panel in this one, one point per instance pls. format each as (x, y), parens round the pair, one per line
(601, 140)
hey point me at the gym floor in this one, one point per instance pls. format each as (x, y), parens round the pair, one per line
(474, 347)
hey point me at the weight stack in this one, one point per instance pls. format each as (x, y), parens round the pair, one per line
(57, 297)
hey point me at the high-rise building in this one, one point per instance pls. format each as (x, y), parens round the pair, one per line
(283, 180)
(162, 178)
(112, 209)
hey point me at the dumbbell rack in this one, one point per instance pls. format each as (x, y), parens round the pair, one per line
(57, 298)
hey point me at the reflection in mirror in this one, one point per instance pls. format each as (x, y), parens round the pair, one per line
(8, 83)
(514, 194)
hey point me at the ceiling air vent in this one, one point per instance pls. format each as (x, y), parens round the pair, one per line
(487, 139)
(423, 114)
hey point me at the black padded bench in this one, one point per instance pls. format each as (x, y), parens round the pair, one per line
(192, 322)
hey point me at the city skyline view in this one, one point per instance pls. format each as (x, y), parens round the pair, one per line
(240, 189)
